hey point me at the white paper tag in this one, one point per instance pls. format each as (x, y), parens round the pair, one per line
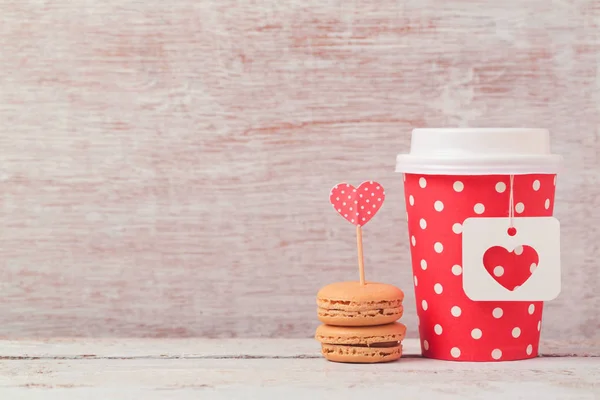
(500, 267)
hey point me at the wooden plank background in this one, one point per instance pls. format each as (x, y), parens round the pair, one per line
(165, 166)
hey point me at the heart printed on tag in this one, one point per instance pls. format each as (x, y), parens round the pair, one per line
(511, 269)
(357, 205)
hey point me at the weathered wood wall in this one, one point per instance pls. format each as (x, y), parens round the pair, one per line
(165, 166)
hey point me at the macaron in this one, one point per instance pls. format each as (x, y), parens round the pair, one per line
(353, 304)
(361, 344)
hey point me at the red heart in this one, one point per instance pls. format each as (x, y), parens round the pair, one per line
(513, 268)
(357, 205)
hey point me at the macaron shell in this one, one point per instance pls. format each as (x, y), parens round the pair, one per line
(359, 318)
(366, 335)
(363, 355)
(353, 293)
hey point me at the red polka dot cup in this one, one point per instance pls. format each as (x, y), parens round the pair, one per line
(454, 174)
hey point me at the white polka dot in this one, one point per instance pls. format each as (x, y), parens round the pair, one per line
(520, 207)
(554, 180)
(458, 186)
(547, 204)
(343, 192)
(536, 185)
(455, 311)
(438, 329)
(438, 288)
(411, 200)
(531, 309)
(350, 208)
(374, 206)
(518, 250)
(352, 221)
(423, 265)
(500, 187)
(438, 247)
(516, 332)
(416, 281)
(532, 267)
(455, 352)
(529, 350)
(337, 198)
(424, 305)
(368, 201)
(456, 270)
(372, 194)
(422, 182)
(423, 223)
(367, 189)
(496, 354)
(438, 205)
(479, 208)
(457, 228)
(539, 325)
(413, 241)
(476, 333)
(425, 344)
(497, 312)
(499, 270)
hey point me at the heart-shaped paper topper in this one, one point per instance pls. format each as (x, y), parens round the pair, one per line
(357, 205)
(511, 269)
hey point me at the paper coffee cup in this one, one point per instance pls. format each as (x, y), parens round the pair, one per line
(454, 174)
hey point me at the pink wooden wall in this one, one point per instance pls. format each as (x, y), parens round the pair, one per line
(165, 167)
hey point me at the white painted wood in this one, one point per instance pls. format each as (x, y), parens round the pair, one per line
(208, 370)
(223, 348)
(165, 165)
(552, 378)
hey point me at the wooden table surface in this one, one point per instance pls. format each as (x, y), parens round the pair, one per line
(278, 368)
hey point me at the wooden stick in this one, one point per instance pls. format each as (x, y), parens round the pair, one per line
(361, 260)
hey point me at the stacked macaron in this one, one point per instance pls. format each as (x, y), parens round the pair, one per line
(359, 322)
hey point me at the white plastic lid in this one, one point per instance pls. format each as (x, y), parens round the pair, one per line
(479, 151)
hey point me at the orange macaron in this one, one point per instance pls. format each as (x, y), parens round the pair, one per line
(361, 344)
(353, 304)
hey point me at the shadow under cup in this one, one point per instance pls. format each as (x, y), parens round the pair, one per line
(451, 326)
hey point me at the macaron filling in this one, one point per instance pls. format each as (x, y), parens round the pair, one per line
(350, 314)
(343, 305)
(381, 345)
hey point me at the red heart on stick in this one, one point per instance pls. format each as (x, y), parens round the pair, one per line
(357, 205)
(511, 269)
